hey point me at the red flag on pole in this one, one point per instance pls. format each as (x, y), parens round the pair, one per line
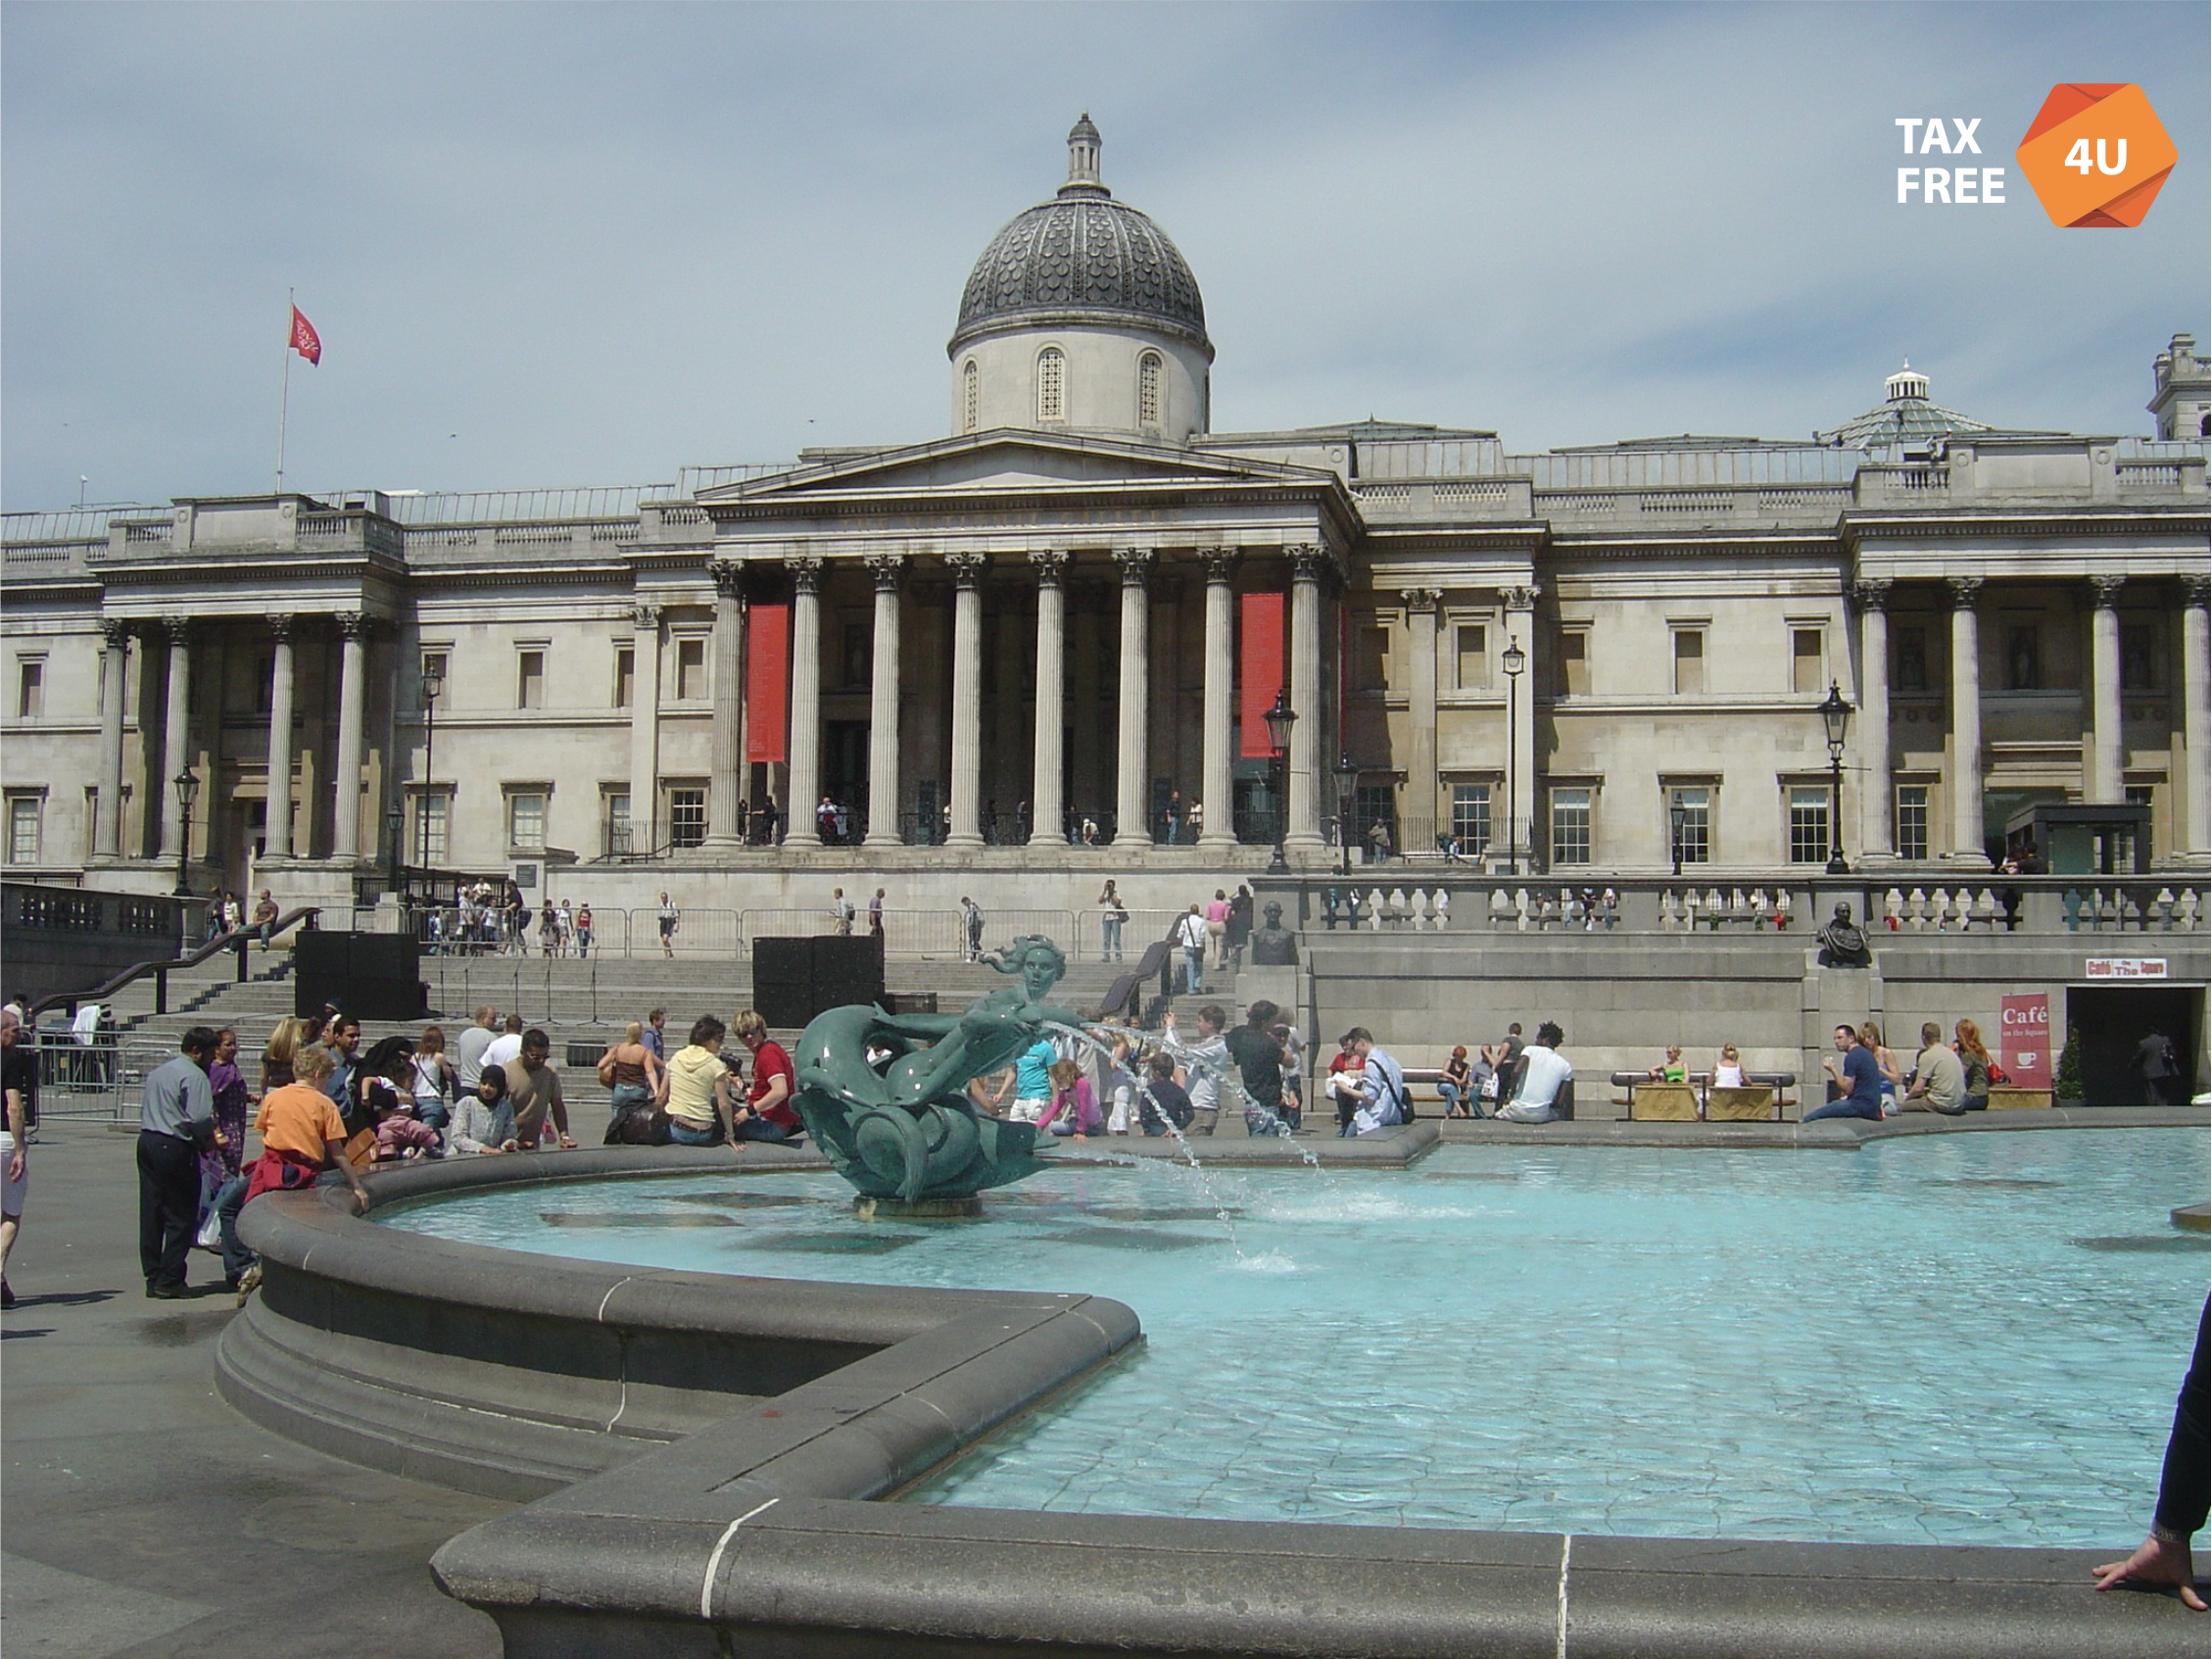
(305, 340)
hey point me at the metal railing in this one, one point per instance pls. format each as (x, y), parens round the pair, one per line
(159, 969)
(101, 1081)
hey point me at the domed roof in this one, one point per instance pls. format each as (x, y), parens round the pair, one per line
(1905, 417)
(1082, 255)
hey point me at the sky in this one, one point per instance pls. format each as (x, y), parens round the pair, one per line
(589, 245)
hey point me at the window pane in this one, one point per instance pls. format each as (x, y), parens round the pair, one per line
(1912, 659)
(31, 690)
(1051, 386)
(625, 676)
(687, 817)
(1471, 816)
(526, 820)
(1805, 660)
(1913, 820)
(2136, 673)
(1570, 826)
(530, 687)
(1148, 392)
(1692, 842)
(430, 828)
(618, 824)
(972, 396)
(1689, 662)
(1808, 826)
(2023, 657)
(1474, 659)
(22, 829)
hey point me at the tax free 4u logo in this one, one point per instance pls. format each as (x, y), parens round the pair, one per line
(2096, 156)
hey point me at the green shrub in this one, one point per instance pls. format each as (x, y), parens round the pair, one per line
(2066, 1082)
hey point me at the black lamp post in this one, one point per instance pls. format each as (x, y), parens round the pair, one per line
(1834, 717)
(1677, 815)
(1280, 718)
(187, 792)
(1515, 659)
(1347, 782)
(433, 683)
(395, 826)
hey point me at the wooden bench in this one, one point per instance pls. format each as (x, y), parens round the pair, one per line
(1664, 1102)
(1755, 1103)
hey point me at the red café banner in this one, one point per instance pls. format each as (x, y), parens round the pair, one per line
(1261, 672)
(2023, 1045)
(768, 653)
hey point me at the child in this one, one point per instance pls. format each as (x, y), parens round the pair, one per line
(1075, 1103)
(1121, 1089)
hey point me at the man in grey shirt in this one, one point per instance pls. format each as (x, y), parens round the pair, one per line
(1942, 1079)
(470, 1047)
(176, 1119)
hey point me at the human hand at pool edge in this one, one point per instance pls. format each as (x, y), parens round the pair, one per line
(2157, 1563)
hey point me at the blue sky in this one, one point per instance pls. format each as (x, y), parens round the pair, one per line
(590, 245)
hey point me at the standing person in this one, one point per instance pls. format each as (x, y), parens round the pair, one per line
(1113, 917)
(1379, 842)
(1033, 1082)
(841, 914)
(1204, 1061)
(1505, 1061)
(434, 1080)
(2154, 1058)
(875, 913)
(18, 1080)
(565, 929)
(1258, 1056)
(584, 930)
(1217, 928)
(534, 1087)
(972, 928)
(1293, 1044)
(2164, 1559)
(219, 1163)
(655, 1034)
(549, 929)
(1938, 1076)
(1191, 937)
(176, 1119)
(514, 920)
(1858, 1079)
(1240, 927)
(1382, 1085)
(768, 1113)
(636, 1079)
(506, 1047)
(1544, 1073)
(669, 916)
(264, 918)
(1174, 817)
(1975, 1058)
(699, 1113)
(470, 1047)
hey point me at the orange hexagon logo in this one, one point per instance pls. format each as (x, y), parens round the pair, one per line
(2096, 156)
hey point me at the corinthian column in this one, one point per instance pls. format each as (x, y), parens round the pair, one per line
(176, 743)
(1131, 825)
(107, 815)
(966, 696)
(1877, 829)
(1420, 759)
(644, 727)
(1520, 740)
(805, 786)
(2104, 697)
(726, 756)
(1048, 810)
(1307, 566)
(353, 688)
(1966, 725)
(2194, 833)
(888, 570)
(276, 839)
(1216, 769)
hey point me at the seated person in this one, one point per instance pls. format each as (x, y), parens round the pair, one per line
(1073, 1109)
(1162, 1099)
(1672, 1069)
(1939, 1075)
(1457, 1085)
(1728, 1070)
(401, 1135)
(1857, 1077)
(1382, 1086)
(1543, 1071)
(483, 1121)
(1344, 1072)
(302, 1139)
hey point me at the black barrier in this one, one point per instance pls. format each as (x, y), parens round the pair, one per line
(796, 979)
(372, 976)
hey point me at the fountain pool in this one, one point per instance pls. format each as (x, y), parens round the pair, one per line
(1966, 1339)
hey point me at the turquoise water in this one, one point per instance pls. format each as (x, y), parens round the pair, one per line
(1969, 1339)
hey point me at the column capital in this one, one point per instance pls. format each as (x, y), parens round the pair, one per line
(115, 633)
(1871, 593)
(887, 570)
(967, 568)
(2104, 591)
(646, 619)
(1309, 561)
(1219, 563)
(1962, 591)
(1521, 599)
(354, 624)
(729, 575)
(2197, 592)
(1421, 598)
(177, 630)
(1136, 564)
(1050, 564)
(281, 625)
(805, 572)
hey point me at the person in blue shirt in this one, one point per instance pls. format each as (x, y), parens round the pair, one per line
(1033, 1082)
(1859, 1075)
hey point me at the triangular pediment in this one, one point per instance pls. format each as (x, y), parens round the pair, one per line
(1006, 460)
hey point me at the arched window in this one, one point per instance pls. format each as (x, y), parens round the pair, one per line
(1051, 384)
(1148, 392)
(971, 396)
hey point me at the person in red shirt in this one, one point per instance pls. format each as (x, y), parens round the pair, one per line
(768, 1113)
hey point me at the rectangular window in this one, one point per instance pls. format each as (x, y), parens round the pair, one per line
(1574, 662)
(2023, 656)
(858, 660)
(618, 838)
(2135, 670)
(526, 820)
(1570, 826)
(1689, 662)
(1913, 820)
(1689, 824)
(436, 665)
(625, 676)
(23, 814)
(1374, 804)
(687, 817)
(1375, 658)
(1471, 817)
(691, 670)
(530, 680)
(1808, 824)
(431, 814)
(1912, 659)
(1474, 658)
(1805, 665)
(30, 687)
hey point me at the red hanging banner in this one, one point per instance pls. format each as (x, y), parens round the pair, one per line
(1260, 673)
(768, 657)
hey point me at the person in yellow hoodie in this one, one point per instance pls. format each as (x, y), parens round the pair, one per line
(699, 1088)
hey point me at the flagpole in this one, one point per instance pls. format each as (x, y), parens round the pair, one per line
(284, 401)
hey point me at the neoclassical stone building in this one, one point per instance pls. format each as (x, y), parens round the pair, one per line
(1064, 623)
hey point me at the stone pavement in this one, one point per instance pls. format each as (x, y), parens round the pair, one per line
(139, 1514)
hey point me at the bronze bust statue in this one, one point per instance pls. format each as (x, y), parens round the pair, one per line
(1842, 944)
(1273, 946)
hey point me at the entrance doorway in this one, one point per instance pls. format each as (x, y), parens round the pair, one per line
(2112, 1021)
(844, 773)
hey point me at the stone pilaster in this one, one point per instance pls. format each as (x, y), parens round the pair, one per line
(346, 773)
(1420, 812)
(107, 812)
(805, 786)
(967, 698)
(1966, 725)
(1877, 821)
(177, 736)
(645, 724)
(1048, 810)
(276, 839)
(1520, 793)
(2102, 784)
(1309, 564)
(888, 572)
